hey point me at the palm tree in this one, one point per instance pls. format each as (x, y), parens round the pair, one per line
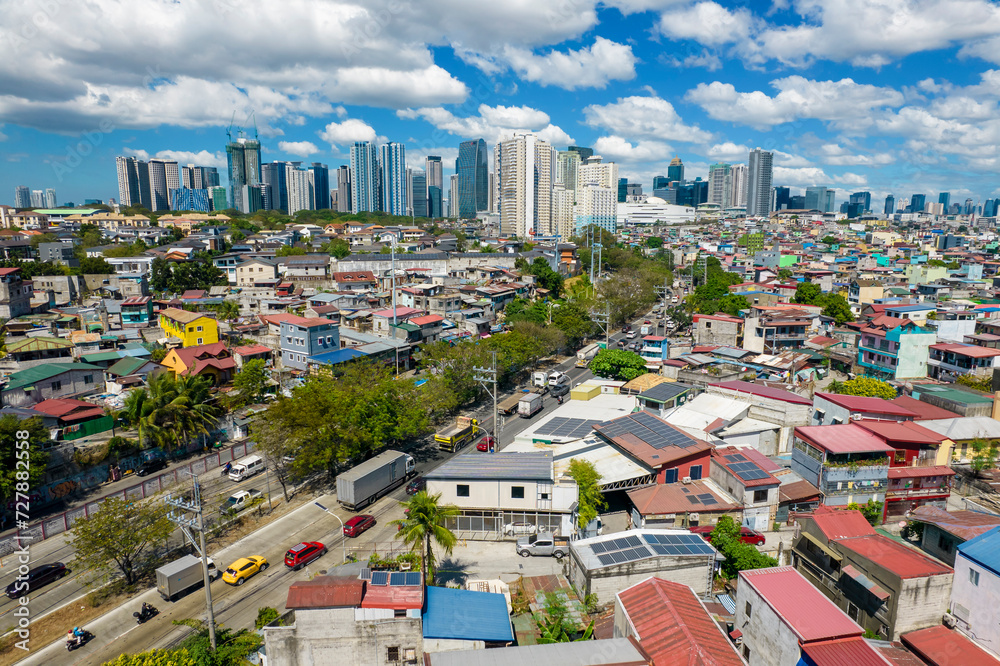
(424, 522)
(171, 410)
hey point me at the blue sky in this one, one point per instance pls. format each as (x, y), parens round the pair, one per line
(893, 96)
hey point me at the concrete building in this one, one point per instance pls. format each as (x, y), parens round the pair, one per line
(15, 294)
(892, 348)
(302, 337)
(833, 409)
(947, 361)
(50, 381)
(525, 185)
(975, 595)
(847, 463)
(252, 271)
(944, 531)
(718, 329)
(191, 328)
(741, 475)
(782, 408)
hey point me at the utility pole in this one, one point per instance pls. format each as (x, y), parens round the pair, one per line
(392, 276)
(487, 376)
(183, 507)
(603, 319)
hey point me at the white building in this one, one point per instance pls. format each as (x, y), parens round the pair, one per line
(563, 219)
(50, 198)
(654, 211)
(568, 169)
(975, 592)
(526, 165)
(596, 206)
(720, 184)
(300, 184)
(738, 179)
(759, 183)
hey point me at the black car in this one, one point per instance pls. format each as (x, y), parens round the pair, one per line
(151, 466)
(416, 486)
(559, 389)
(36, 578)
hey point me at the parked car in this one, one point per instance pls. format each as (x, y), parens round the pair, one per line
(515, 529)
(747, 535)
(485, 443)
(415, 486)
(244, 568)
(358, 524)
(151, 466)
(626, 328)
(36, 578)
(303, 553)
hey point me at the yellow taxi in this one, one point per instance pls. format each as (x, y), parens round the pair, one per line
(243, 568)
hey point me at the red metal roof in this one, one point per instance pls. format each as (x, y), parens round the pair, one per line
(926, 410)
(857, 403)
(326, 592)
(69, 410)
(853, 651)
(248, 350)
(673, 498)
(893, 556)
(841, 523)
(806, 610)
(307, 322)
(842, 438)
(917, 472)
(902, 432)
(972, 351)
(426, 319)
(8, 271)
(393, 596)
(941, 646)
(673, 626)
(764, 392)
(137, 300)
(963, 524)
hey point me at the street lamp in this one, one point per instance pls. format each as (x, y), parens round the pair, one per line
(343, 541)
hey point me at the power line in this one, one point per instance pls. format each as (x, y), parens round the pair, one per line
(487, 377)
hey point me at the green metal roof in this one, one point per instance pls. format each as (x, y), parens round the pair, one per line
(69, 211)
(39, 343)
(29, 376)
(127, 366)
(96, 357)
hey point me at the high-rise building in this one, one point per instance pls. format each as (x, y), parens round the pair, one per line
(435, 185)
(660, 182)
(720, 184)
(568, 169)
(816, 198)
(301, 187)
(563, 221)
(273, 178)
(692, 193)
(622, 190)
(217, 197)
(243, 157)
(596, 172)
(917, 203)
(863, 199)
(22, 196)
(392, 172)
(584, 153)
(364, 167)
(37, 198)
(344, 189)
(596, 206)
(321, 186)
(890, 205)
(164, 175)
(525, 185)
(944, 198)
(50, 198)
(252, 197)
(473, 182)
(782, 197)
(968, 208)
(738, 177)
(759, 175)
(187, 198)
(633, 192)
(453, 195)
(675, 172)
(831, 196)
(796, 202)
(418, 193)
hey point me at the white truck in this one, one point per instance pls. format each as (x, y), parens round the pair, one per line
(362, 485)
(586, 355)
(239, 500)
(646, 329)
(182, 575)
(544, 379)
(529, 405)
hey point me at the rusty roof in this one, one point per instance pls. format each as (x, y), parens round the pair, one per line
(941, 646)
(674, 498)
(797, 490)
(325, 592)
(841, 523)
(854, 651)
(965, 525)
(673, 626)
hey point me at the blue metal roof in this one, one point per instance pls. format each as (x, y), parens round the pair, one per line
(984, 550)
(915, 307)
(337, 356)
(466, 615)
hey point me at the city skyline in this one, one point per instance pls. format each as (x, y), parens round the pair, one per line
(637, 80)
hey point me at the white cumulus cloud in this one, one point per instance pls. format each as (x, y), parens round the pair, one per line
(348, 131)
(300, 148)
(638, 117)
(589, 67)
(617, 149)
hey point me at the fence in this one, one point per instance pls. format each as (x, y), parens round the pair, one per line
(62, 522)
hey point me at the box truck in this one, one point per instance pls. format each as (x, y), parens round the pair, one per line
(182, 575)
(529, 405)
(362, 485)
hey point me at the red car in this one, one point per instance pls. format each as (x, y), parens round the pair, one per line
(747, 535)
(302, 554)
(485, 443)
(358, 524)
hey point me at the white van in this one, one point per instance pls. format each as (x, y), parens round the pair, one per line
(245, 468)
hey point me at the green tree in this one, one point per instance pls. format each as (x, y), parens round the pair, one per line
(171, 409)
(250, 384)
(555, 625)
(423, 525)
(591, 499)
(289, 251)
(338, 248)
(574, 322)
(227, 310)
(732, 304)
(739, 556)
(160, 274)
(871, 510)
(121, 537)
(830, 240)
(654, 242)
(618, 364)
(836, 307)
(96, 266)
(984, 455)
(155, 658)
(807, 293)
(265, 616)
(22, 461)
(233, 645)
(978, 382)
(864, 386)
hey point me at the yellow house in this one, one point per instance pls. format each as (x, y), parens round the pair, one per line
(191, 328)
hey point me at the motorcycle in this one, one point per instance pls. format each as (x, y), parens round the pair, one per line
(559, 399)
(146, 613)
(79, 641)
(226, 468)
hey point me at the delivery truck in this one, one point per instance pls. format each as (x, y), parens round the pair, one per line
(360, 486)
(586, 355)
(529, 405)
(646, 329)
(181, 575)
(455, 436)
(546, 380)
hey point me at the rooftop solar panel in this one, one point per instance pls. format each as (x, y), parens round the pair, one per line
(621, 543)
(693, 499)
(735, 457)
(633, 541)
(706, 497)
(599, 547)
(380, 578)
(605, 559)
(397, 578)
(413, 578)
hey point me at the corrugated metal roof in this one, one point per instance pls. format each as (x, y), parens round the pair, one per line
(853, 651)
(806, 610)
(763, 392)
(665, 392)
(467, 615)
(904, 431)
(866, 404)
(39, 373)
(37, 343)
(512, 466)
(843, 438)
(669, 621)
(893, 556)
(965, 427)
(984, 549)
(917, 472)
(839, 524)
(966, 525)
(613, 652)
(325, 592)
(941, 646)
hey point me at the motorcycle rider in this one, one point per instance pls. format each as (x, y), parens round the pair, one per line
(77, 633)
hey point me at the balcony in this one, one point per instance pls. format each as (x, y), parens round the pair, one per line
(858, 473)
(880, 349)
(899, 493)
(786, 336)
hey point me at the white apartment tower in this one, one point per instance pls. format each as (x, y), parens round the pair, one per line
(563, 217)
(738, 178)
(526, 167)
(720, 185)
(301, 185)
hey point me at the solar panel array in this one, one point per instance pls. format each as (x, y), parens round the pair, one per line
(568, 428)
(748, 471)
(620, 551)
(396, 578)
(648, 428)
(735, 458)
(677, 544)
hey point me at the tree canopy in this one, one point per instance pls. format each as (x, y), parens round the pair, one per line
(591, 500)
(834, 305)
(424, 526)
(618, 364)
(739, 556)
(864, 386)
(22, 467)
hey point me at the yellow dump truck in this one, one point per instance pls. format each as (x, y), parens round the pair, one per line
(458, 435)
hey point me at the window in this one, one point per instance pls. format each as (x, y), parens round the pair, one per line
(399, 612)
(974, 577)
(759, 496)
(852, 611)
(545, 496)
(708, 324)
(517, 492)
(670, 476)
(200, 329)
(746, 652)
(88, 379)
(56, 386)
(392, 654)
(900, 456)
(748, 611)
(201, 341)
(695, 472)
(462, 490)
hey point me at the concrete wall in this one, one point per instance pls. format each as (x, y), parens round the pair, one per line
(781, 413)
(715, 332)
(933, 540)
(977, 606)
(921, 603)
(606, 583)
(493, 494)
(769, 640)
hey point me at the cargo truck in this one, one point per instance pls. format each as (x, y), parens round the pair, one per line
(181, 575)
(509, 404)
(586, 355)
(360, 486)
(646, 329)
(529, 405)
(458, 435)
